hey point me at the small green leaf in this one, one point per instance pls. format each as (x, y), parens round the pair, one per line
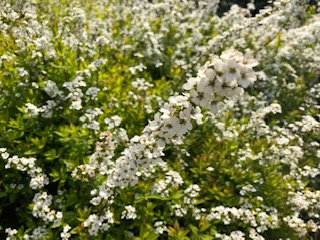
(206, 237)
(178, 195)
(3, 194)
(51, 155)
(55, 175)
(204, 226)
(30, 152)
(194, 229)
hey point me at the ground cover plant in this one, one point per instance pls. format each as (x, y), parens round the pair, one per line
(159, 120)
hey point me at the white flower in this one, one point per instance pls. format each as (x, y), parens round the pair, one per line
(129, 212)
(113, 121)
(232, 73)
(210, 74)
(160, 227)
(93, 92)
(77, 105)
(191, 82)
(220, 67)
(52, 89)
(5, 155)
(11, 232)
(32, 109)
(65, 232)
(247, 77)
(3, 150)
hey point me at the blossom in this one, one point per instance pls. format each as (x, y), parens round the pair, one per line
(65, 233)
(129, 212)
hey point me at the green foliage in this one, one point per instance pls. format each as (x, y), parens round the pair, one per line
(79, 80)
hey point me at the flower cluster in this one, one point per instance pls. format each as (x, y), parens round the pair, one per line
(173, 120)
(96, 223)
(89, 121)
(160, 227)
(41, 209)
(100, 162)
(38, 178)
(256, 218)
(75, 91)
(170, 124)
(129, 212)
(172, 179)
(65, 234)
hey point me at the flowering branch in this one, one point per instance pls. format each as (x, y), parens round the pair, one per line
(224, 77)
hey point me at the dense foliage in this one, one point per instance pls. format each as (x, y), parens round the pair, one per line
(159, 120)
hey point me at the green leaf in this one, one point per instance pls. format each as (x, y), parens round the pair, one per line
(177, 233)
(194, 229)
(154, 196)
(206, 237)
(139, 199)
(62, 134)
(3, 194)
(152, 236)
(204, 226)
(55, 175)
(30, 152)
(75, 230)
(51, 155)
(179, 194)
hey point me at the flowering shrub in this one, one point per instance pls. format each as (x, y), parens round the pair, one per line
(159, 120)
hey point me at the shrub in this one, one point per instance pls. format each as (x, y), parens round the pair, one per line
(159, 120)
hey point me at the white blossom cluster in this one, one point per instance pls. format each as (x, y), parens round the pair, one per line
(32, 109)
(88, 119)
(248, 188)
(141, 84)
(198, 213)
(92, 92)
(38, 178)
(100, 162)
(52, 89)
(32, 34)
(255, 218)
(257, 118)
(160, 227)
(129, 212)
(297, 224)
(41, 209)
(96, 223)
(139, 68)
(298, 174)
(191, 193)
(46, 110)
(178, 210)
(65, 234)
(308, 124)
(113, 125)
(173, 178)
(306, 201)
(11, 233)
(222, 77)
(234, 235)
(75, 92)
(75, 35)
(298, 41)
(174, 120)
(37, 234)
(113, 122)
